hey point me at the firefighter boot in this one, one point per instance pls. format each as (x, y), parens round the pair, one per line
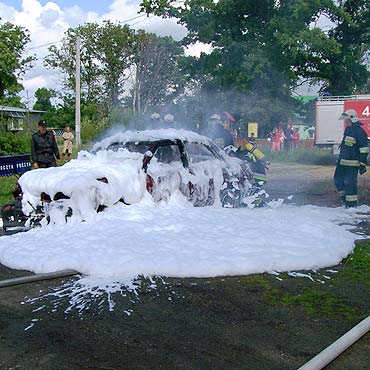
(342, 196)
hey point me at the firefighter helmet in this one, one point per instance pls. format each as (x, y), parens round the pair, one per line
(155, 116)
(349, 114)
(169, 118)
(215, 119)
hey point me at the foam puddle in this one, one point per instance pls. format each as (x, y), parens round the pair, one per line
(178, 240)
(91, 294)
(126, 250)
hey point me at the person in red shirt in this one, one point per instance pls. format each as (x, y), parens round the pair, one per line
(295, 138)
(276, 140)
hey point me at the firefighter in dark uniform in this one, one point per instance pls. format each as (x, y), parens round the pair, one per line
(44, 149)
(354, 150)
(217, 132)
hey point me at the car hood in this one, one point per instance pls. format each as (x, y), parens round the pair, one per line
(122, 170)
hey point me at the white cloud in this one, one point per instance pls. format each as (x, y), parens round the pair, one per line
(49, 17)
(34, 83)
(121, 10)
(7, 12)
(75, 15)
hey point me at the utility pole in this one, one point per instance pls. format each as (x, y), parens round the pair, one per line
(28, 100)
(78, 95)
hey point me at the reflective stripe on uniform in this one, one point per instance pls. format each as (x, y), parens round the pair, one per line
(364, 150)
(350, 162)
(259, 176)
(351, 198)
(341, 193)
(349, 141)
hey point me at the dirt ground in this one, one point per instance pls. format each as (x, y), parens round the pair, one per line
(252, 322)
(309, 184)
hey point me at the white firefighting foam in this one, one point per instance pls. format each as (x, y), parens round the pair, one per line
(169, 238)
(78, 179)
(107, 177)
(178, 240)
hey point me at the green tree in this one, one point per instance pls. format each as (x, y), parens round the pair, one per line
(43, 99)
(348, 71)
(265, 44)
(114, 49)
(64, 58)
(113, 53)
(13, 40)
(263, 50)
(157, 74)
(106, 54)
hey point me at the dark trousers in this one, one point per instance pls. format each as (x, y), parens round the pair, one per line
(47, 164)
(345, 179)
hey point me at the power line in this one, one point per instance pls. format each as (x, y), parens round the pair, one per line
(142, 20)
(132, 19)
(43, 45)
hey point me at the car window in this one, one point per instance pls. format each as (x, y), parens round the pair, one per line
(114, 146)
(138, 147)
(198, 152)
(168, 153)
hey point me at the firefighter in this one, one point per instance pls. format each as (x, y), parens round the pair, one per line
(352, 160)
(248, 151)
(11, 213)
(169, 121)
(155, 121)
(218, 133)
(44, 149)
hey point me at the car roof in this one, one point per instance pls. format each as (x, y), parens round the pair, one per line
(151, 136)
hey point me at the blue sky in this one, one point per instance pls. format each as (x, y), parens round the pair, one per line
(98, 6)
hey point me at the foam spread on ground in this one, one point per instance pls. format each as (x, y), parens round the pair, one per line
(178, 240)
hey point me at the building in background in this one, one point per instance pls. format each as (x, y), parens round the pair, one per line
(304, 120)
(18, 119)
(305, 132)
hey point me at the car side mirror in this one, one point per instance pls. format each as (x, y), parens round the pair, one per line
(148, 153)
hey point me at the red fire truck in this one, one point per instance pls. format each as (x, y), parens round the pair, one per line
(328, 128)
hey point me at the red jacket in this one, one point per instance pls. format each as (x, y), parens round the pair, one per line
(295, 137)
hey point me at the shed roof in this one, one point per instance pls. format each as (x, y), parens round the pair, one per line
(15, 110)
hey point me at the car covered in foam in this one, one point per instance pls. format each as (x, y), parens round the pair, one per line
(130, 166)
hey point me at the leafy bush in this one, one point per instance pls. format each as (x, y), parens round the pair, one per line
(91, 129)
(15, 143)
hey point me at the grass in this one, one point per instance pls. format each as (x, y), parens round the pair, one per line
(356, 267)
(317, 303)
(7, 184)
(338, 296)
